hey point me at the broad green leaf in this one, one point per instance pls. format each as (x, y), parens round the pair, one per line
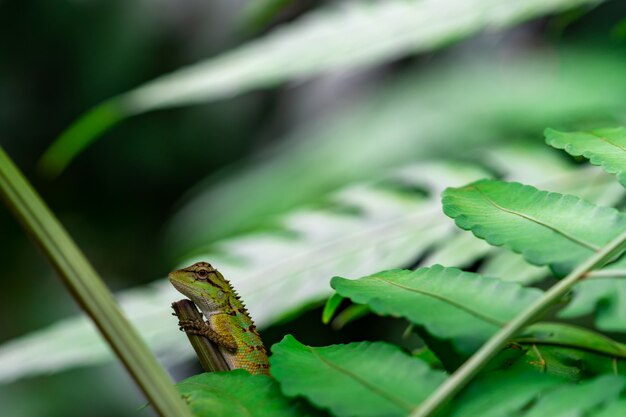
(502, 393)
(603, 297)
(618, 408)
(463, 307)
(603, 147)
(577, 400)
(237, 394)
(351, 35)
(355, 380)
(546, 228)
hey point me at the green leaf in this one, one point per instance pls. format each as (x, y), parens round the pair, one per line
(449, 303)
(602, 296)
(355, 380)
(546, 228)
(571, 351)
(577, 400)
(469, 90)
(502, 393)
(331, 306)
(358, 34)
(603, 147)
(237, 394)
(350, 314)
(618, 408)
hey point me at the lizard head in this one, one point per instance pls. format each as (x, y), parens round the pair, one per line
(203, 284)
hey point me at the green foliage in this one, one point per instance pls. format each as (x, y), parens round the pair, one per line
(579, 399)
(604, 297)
(370, 34)
(450, 304)
(358, 379)
(238, 394)
(603, 147)
(546, 228)
(519, 386)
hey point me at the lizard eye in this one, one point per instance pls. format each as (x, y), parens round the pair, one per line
(203, 273)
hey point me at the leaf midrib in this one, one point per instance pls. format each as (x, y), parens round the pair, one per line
(389, 397)
(607, 140)
(453, 303)
(566, 235)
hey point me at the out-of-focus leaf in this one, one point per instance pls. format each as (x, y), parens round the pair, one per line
(259, 13)
(350, 314)
(350, 35)
(603, 147)
(618, 408)
(369, 228)
(509, 266)
(237, 394)
(356, 380)
(546, 228)
(407, 119)
(602, 297)
(450, 304)
(577, 400)
(502, 393)
(331, 307)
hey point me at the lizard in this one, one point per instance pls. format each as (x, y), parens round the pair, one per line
(228, 324)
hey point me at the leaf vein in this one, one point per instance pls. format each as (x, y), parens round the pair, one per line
(566, 235)
(446, 300)
(391, 398)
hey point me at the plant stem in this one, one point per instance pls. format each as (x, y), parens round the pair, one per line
(459, 379)
(208, 353)
(88, 289)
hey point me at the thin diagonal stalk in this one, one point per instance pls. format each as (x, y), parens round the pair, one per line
(89, 290)
(459, 379)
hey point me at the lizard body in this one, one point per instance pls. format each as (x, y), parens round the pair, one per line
(228, 323)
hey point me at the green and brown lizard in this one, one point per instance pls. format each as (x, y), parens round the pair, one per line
(228, 323)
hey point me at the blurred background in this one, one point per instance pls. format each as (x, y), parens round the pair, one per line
(282, 159)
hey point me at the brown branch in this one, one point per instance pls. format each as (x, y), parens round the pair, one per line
(208, 352)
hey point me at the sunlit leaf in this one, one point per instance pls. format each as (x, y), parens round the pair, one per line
(237, 394)
(358, 379)
(449, 303)
(603, 147)
(546, 228)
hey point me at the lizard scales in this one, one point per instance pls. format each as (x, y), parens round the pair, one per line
(228, 323)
